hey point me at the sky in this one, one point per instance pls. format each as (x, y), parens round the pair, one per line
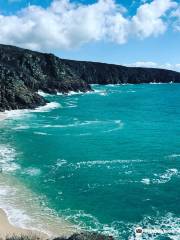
(128, 32)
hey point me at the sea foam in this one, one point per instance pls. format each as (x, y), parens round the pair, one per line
(19, 113)
(162, 177)
(7, 159)
(29, 211)
(166, 176)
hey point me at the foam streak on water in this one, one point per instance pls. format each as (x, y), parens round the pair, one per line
(7, 159)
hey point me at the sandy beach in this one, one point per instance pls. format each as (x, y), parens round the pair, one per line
(2, 116)
(6, 229)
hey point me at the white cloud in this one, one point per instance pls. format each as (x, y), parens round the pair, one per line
(149, 18)
(66, 25)
(175, 67)
(176, 15)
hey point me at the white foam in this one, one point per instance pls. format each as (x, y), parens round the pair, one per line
(166, 176)
(174, 156)
(71, 93)
(61, 162)
(85, 134)
(43, 94)
(7, 159)
(19, 113)
(131, 91)
(171, 82)
(41, 133)
(146, 181)
(103, 93)
(48, 107)
(89, 222)
(119, 124)
(29, 211)
(155, 83)
(71, 106)
(167, 225)
(15, 113)
(21, 127)
(106, 163)
(32, 171)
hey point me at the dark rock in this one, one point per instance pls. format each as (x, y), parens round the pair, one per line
(86, 236)
(102, 73)
(24, 72)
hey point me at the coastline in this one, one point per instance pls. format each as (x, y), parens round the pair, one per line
(56, 227)
(8, 230)
(22, 211)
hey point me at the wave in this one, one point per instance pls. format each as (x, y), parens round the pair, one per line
(71, 106)
(7, 159)
(131, 91)
(166, 176)
(43, 94)
(42, 133)
(96, 163)
(174, 156)
(153, 227)
(76, 124)
(156, 83)
(89, 222)
(85, 134)
(48, 107)
(19, 113)
(21, 127)
(167, 226)
(32, 171)
(161, 178)
(146, 181)
(101, 92)
(71, 93)
(119, 124)
(29, 211)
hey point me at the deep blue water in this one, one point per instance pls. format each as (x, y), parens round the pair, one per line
(106, 161)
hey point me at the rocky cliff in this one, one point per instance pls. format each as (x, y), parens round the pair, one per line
(24, 72)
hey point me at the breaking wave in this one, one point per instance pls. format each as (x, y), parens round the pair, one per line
(162, 177)
(7, 159)
(29, 211)
(25, 112)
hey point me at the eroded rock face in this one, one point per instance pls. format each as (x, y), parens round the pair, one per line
(24, 72)
(102, 73)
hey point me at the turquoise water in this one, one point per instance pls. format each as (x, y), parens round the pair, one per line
(106, 161)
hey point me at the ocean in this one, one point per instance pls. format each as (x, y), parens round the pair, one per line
(104, 161)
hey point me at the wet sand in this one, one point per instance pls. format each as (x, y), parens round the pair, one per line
(6, 229)
(2, 116)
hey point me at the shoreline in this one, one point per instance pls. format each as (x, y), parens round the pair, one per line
(2, 116)
(28, 217)
(8, 230)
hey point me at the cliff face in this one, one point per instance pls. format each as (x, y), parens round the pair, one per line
(24, 72)
(103, 73)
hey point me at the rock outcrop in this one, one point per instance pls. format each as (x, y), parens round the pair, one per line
(86, 236)
(24, 72)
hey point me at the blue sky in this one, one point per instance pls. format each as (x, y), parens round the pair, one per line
(138, 33)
